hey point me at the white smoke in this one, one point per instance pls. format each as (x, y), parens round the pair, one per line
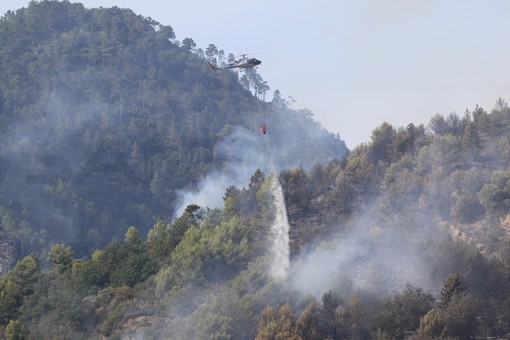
(243, 152)
(363, 257)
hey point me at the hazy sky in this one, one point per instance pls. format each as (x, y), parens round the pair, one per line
(355, 63)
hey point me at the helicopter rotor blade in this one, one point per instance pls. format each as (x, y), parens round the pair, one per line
(244, 55)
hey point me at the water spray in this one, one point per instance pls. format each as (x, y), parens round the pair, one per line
(280, 233)
(279, 251)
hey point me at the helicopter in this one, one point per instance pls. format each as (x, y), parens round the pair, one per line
(243, 63)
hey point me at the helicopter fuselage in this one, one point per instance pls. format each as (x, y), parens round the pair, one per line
(244, 64)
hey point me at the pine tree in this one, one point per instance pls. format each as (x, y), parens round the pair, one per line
(453, 286)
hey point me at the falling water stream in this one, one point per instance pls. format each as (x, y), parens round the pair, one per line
(279, 233)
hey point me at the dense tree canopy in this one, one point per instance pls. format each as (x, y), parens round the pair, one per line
(104, 116)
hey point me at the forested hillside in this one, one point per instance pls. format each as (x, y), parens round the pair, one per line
(105, 116)
(405, 237)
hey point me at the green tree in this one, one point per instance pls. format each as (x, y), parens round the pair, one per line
(188, 44)
(211, 53)
(442, 126)
(329, 314)
(481, 121)
(320, 179)
(16, 285)
(452, 286)
(438, 124)
(278, 324)
(61, 256)
(431, 326)
(16, 330)
(351, 183)
(401, 313)
(166, 31)
(468, 209)
(470, 138)
(228, 316)
(105, 262)
(231, 201)
(187, 220)
(26, 273)
(213, 326)
(460, 317)
(248, 197)
(496, 193)
(356, 322)
(380, 148)
(164, 280)
(308, 323)
(296, 186)
(11, 299)
(87, 276)
(454, 124)
(132, 238)
(209, 253)
(158, 242)
(136, 265)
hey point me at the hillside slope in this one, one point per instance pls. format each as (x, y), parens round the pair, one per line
(405, 237)
(104, 116)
